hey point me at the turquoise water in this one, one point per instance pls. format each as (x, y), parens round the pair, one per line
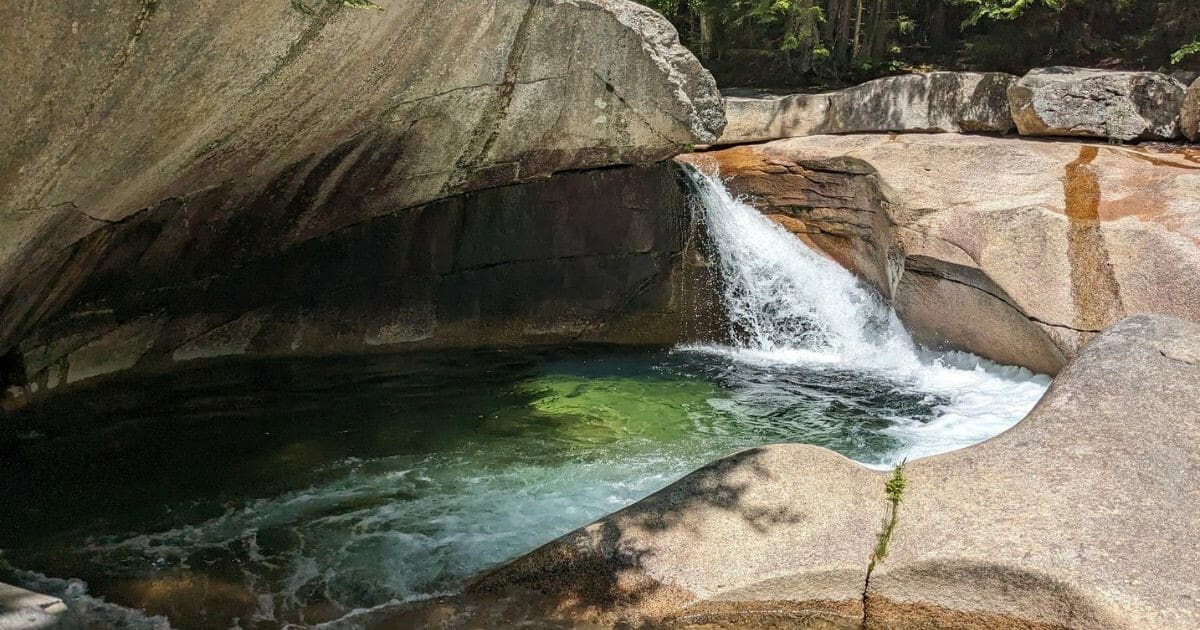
(266, 492)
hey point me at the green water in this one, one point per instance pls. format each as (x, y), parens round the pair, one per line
(267, 492)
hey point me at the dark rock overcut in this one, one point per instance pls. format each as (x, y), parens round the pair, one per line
(215, 177)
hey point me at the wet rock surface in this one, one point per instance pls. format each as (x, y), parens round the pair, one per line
(1082, 516)
(1017, 250)
(1065, 101)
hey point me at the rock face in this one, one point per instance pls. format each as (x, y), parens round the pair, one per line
(1186, 77)
(663, 546)
(1084, 516)
(1058, 101)
(1015, 249)
(21, 609)
(758, 117)
(930, 102)
(425, 99)
(159, 156)
(1063, 101)
(1189, 118)
(588, 256)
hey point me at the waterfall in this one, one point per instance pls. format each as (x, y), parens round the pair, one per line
(782, 297)
(792, 307)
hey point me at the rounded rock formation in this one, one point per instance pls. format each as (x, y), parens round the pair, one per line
(1189, 117)
(1065, 101)
(928, 102)
(184, 179)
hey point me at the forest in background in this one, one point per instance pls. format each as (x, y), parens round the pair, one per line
(823, 43)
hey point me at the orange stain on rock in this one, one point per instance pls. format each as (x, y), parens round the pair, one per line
(1094, 289)
(1082, 187)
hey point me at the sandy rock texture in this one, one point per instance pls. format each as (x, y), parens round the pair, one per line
(1057, 101)
(1189, 118)
(152, 152)
(1082, 516)
(1066, 101)
(1019, 250)
(928, 102)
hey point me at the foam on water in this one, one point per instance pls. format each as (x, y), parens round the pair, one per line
(789, 305)
(398, 529)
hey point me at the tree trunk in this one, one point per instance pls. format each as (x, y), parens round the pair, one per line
(857, 30)
(937, 24)
(683, 20)
(877, 43)
(842, 38)
(832, 12)
(708, 37)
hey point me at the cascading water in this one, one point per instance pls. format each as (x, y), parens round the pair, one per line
(788, 305)
(781, 296)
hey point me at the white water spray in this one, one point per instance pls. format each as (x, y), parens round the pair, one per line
(788, 304)
(782, 297)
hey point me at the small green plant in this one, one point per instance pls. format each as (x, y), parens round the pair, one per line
(1002, 9)
(894, 489)
(1185, 52)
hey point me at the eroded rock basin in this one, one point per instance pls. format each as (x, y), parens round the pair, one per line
(299, 490)
(1081, 516)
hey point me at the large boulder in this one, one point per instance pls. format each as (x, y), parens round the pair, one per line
(930, 102)
(1018, 250)
(1065, 101)
(759, 117)
(1189, 117)
(951, 102)
(153, 154)
(1083, 516)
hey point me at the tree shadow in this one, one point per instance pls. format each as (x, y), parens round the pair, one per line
(598, 573)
